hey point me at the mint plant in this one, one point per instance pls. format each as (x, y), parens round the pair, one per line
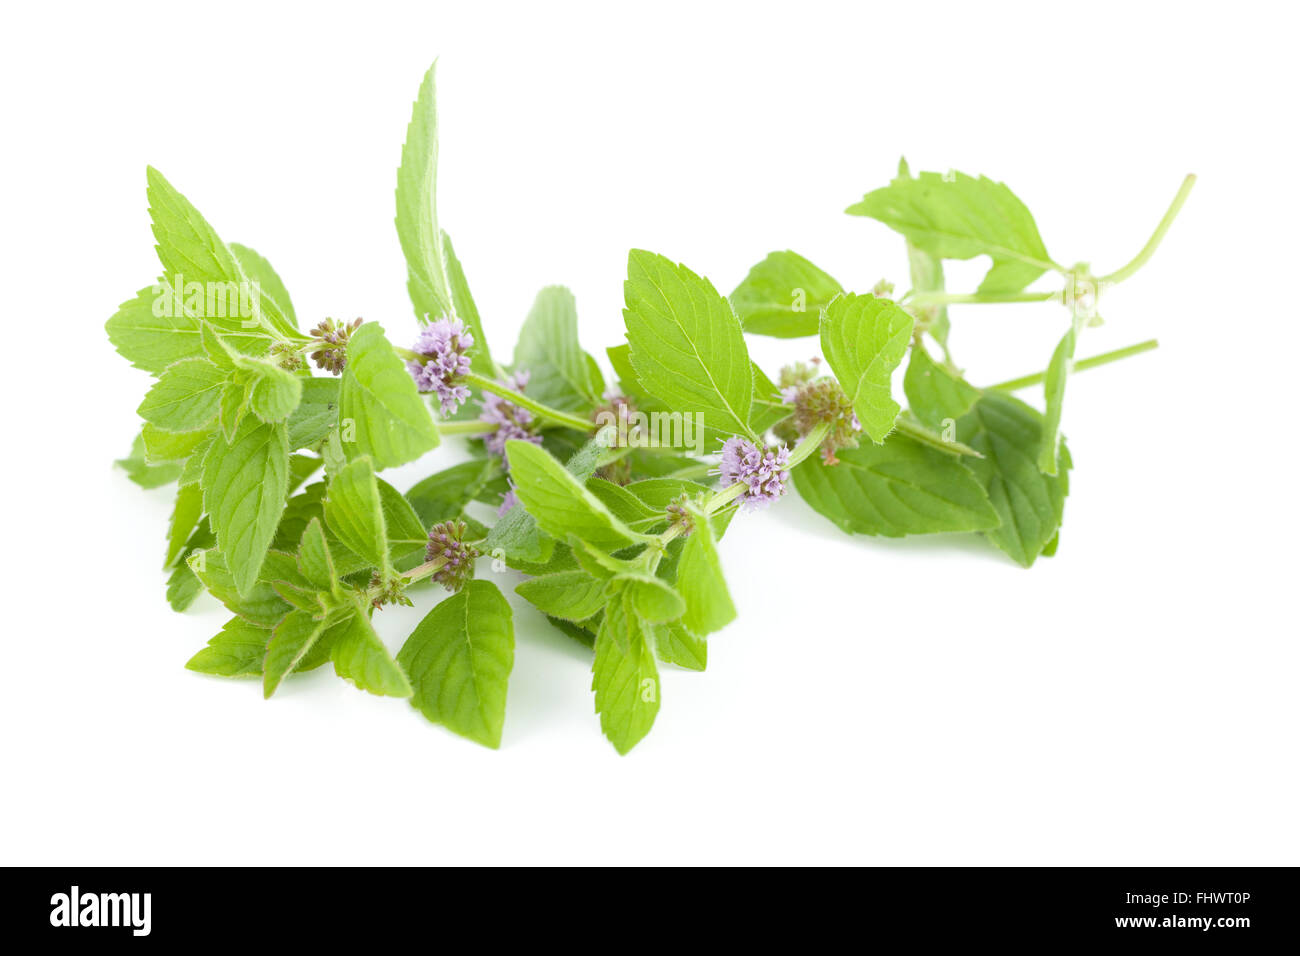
(610, 497)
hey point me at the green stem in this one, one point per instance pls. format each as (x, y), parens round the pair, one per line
(537, 408)
(945, 298)
(473, 427)
(915, 430)
(1119, 275)
(1082, 365)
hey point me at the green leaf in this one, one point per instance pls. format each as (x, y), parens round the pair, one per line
(674, 644)
(144, 474)
(388, 419)
(934, 393)
(192, 254)
(236, 651)
(569, 595)
(355, 514)
(185, 397)
(700, 580)
(864, 338)
(899, 488)
(361, 657)
(444, 494)
(480, 358)
(273, 393)
(459, 659)
(1058, 371)
(261, 605)
(955, 216)
(652, 600)
(1030, 504)
(161, 446)
(561, 374)
(314, 558)
(417, 208)
(625, 678)
(185, 518)
(259, 270)
(245, 480)
(152, 334)
(686, 343)
(316, 414)
(234, 401)
(561, 504)
(291, 642)
(783, 296)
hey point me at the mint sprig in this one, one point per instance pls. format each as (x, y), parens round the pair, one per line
(609, 498)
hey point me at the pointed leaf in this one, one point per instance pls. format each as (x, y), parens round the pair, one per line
(864, 338)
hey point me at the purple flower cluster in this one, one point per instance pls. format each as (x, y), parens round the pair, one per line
(444, 342)
(446, 540)
(514, 423)
(508, 501)
(765, 471)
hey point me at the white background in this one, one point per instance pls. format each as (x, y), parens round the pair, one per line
(918, 702)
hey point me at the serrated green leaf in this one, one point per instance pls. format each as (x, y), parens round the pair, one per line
(686, 343)
(185, 398)
(236, 651)
(355, 515)
(652, 600)
(245, 481)
(417, 208)
(1030, 504)
(702, 585)
(864, 338)
(314, 559)
(234, 401)
(144, 474)
(290, 643)
(934, 393)
(459, 660)
(273, 393)
(624, 678)
(261, 604)
(769, 407)
(191, 252)
(955, 216)
(783, 296)
(151, 334)
(316, 414)
(674, 644)
(389, 421)
(361, 657)
(899, 488)
(258, 269)
(561, 374)
(560, 504)
(161, 446)
(569, 595)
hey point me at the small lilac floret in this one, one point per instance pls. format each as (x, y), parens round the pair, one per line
(764, 471)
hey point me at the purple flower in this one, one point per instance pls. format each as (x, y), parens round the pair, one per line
(508, 501)
(513, 422)
(446, 540)
(444, 343)
(765, 471)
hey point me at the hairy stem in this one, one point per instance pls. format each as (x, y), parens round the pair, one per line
(1082, 365)
(945, 298)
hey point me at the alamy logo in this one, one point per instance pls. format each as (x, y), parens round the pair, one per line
(208, 300)
(101, 909)
(626, 428)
